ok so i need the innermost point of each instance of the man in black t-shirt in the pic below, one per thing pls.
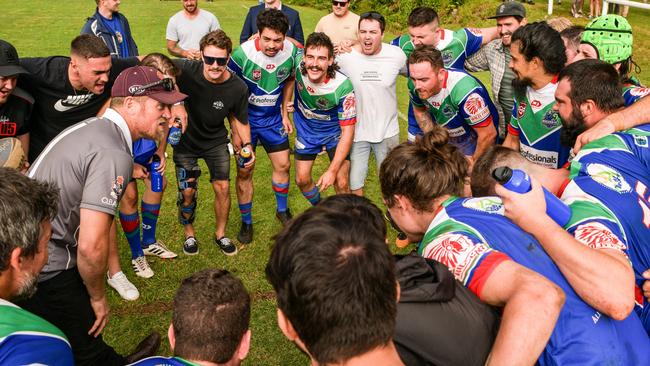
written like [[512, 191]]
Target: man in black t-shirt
[[15, 103], [69, 89], [214, 94]]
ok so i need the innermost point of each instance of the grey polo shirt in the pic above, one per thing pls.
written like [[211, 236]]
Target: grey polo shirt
[[91, 163]]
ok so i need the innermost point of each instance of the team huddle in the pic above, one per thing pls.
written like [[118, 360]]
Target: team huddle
[[527, 204]]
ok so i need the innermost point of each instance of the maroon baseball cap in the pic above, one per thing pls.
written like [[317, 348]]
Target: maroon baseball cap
[[143, 81]]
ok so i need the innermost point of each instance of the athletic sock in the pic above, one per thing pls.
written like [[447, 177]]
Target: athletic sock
[[131, 227], [313, 196], [281, 191], [246, 210], [150, 212]]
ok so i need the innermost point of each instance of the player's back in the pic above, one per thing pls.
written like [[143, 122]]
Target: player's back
[[582, 335]]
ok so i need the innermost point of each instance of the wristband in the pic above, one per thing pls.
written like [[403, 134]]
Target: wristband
[[247, 144]]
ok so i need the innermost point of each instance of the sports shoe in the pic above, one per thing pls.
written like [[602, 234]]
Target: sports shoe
[[226, 246], [141, 267], [245, 235], [284, 217], [123, 286], [146, 348], [190, 246], [159, 250]]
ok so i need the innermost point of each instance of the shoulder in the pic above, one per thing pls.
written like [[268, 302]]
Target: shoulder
[[23, 95], [289, 11], [237, 83], [393, 51]]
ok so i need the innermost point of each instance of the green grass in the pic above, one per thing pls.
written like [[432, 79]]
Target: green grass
[[43, 28]]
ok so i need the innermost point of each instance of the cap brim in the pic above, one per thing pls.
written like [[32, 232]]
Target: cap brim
[[12, 70], [168, 97]]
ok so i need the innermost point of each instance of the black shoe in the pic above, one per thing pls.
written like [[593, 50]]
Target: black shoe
[[284, 216], [226, 246], [147, 348], [245, 235]]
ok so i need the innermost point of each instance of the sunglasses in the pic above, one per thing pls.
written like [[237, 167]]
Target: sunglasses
[[340, 3], [391, 222], [372, 15], [209, 60], [166, 83]]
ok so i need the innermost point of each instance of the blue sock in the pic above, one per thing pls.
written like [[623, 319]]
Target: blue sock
[[281, 195], [246, 210], [313, 196], [150, 212], [131, 227]]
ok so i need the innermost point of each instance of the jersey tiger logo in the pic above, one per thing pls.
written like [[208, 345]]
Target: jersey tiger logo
[[476, 108], [457, 251], [598, 236], [608, 177]]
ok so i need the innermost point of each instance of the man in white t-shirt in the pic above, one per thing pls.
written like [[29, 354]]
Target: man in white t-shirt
[[373, 67], [341, 24], [186, 28]]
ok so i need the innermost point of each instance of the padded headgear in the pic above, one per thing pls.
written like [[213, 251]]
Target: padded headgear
[[611, 36]]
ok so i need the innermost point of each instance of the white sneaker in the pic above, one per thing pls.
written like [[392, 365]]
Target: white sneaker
[[123, 286], [141, 267], [160, 250]]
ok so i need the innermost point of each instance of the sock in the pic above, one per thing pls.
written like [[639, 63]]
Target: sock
[[150, 212], [246, 210], [131, 227], [313, 196], [281, 195]]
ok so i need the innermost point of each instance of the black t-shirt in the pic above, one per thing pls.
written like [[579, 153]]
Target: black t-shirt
[[208, 105], [57, 105], [14, 114]]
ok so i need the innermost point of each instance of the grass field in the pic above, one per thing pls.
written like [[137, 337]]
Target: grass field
[[46, 27]]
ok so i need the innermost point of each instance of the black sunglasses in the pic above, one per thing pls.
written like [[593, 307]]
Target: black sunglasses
[[209, 60], [391, 222], [372, 15], [340, 3], [166, 83]]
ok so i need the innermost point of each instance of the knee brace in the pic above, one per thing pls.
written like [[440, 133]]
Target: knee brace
[[182, 176]]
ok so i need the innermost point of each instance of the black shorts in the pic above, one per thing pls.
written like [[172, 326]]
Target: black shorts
[[216, 158]]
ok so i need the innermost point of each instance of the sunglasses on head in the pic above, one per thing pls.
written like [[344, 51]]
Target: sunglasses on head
[[209, 60], [166, 83], [372, 15], [340, 3]]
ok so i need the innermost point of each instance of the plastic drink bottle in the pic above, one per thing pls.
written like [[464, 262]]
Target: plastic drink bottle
[[155, 175], [518, 181]]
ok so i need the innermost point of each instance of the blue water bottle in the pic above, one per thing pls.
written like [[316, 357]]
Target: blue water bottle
[[174, 136], [155, 175], [518, 181]]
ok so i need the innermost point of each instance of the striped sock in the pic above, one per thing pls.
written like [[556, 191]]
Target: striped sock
[[246, 210], [281, 191], [313, 196], [150, 212], [131, 227]]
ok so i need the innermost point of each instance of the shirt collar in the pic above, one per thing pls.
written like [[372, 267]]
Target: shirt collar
[[116, 118], [279, 7]]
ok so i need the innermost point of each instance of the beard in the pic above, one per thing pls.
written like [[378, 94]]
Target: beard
[[519, 86], [27, 287], [572, 128]]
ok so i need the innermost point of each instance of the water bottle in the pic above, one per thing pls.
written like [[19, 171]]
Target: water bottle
[[155, 175], [244, 156], [518, 181], [175, 132]]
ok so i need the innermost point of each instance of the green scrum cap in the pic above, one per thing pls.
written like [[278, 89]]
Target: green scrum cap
[[611, 36]]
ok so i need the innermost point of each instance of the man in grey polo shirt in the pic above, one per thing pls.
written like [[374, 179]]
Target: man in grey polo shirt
[[186, 28], [495, 57], [91, 162]]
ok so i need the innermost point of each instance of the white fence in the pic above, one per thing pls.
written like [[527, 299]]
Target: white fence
[[634, 4]]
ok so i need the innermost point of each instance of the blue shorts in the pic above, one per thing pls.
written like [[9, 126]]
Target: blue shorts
[[309, 150], [143, 150], [273, 138]]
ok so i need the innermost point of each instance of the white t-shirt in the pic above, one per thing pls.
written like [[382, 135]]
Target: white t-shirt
[[188, 32], [374, 78]]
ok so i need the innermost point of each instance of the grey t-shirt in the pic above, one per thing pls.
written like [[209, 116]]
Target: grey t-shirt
[[188, 32], [91, 164]]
